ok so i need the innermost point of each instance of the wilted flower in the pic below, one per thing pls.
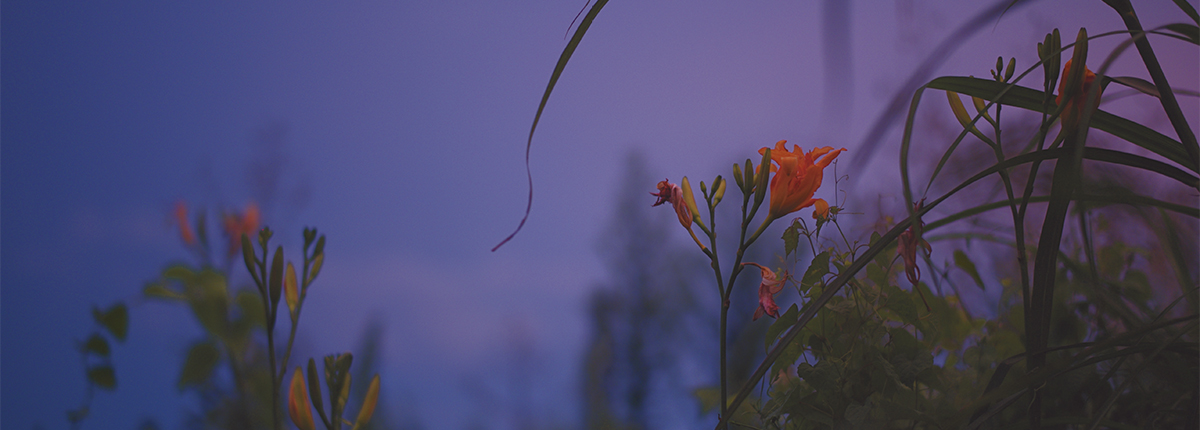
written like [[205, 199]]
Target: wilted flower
[[671, 193], [1077, 96], [238, 224], [766, 292], [682, 201], [185, 229], [797, 178], [907, 246]]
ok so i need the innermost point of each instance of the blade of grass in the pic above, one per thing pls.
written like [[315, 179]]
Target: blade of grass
[[1031, 99], [558, 69], [1167, 97]]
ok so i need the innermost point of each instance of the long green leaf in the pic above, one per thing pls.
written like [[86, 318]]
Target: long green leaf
[[558, 69], [1189, 10], [1031, 99]]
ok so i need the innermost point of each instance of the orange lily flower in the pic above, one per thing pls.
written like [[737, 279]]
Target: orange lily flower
[[766, 292], [1078, 96], [798, 177]]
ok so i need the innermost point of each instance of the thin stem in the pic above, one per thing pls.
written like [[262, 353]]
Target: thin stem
[[724, 294], [287, 352], [262, 266]]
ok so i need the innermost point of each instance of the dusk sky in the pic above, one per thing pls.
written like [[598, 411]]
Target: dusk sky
[[404, 127]]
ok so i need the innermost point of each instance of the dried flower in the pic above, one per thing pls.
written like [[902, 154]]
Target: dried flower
[[908, 243], [671, 193], [681, 199], [767, 290]]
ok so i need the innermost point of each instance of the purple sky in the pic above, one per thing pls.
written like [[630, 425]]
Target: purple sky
[[406, 125]]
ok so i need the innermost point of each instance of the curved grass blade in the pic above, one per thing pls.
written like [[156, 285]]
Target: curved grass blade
[[1190, 33], [558, 69]]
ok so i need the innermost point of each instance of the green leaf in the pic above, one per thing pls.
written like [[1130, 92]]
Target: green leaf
[[963, 262], [1189, 10], [816, 270], [77, 415], [251, 260], [1191, 32], [314, 391], [96, 344], [790, 354], [115, 319], [1142, 85], [252, 308], [1031, 99], [781, 324], [902, 305], [558, 70], [103, 376], [160, 291], [179, 273], [791, 238], [210, 301], [709, 398], [202, 358]]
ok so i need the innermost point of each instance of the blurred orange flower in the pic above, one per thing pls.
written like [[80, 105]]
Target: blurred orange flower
[[1077, 96], [238, 224], [767, 290], [185, 229], [798, 177]]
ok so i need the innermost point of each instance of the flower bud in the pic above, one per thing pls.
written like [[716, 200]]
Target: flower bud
[[737, 176], [690, 201], [718, 190]]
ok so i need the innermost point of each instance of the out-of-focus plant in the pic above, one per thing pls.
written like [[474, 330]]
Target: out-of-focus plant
[[234, 321], [95, 355]]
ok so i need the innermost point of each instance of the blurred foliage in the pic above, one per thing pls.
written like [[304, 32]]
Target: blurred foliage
[[238, 340]]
